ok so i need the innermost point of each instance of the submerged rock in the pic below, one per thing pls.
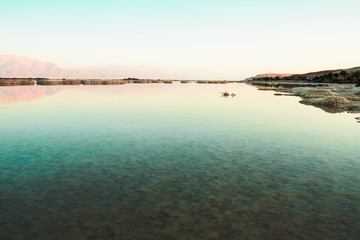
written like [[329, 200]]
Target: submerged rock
[[331, 101], [352, 107], [17, 82], [282, 94], [328, 88], [355, 99], [50, 82], [314, 93], [267, 88], [71, 82], [334, 98]]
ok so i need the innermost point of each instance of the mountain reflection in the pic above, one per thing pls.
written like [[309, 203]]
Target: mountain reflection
[[17, 94], [25, 94]]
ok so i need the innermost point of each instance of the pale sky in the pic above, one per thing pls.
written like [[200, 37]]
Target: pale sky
[[193, 39]]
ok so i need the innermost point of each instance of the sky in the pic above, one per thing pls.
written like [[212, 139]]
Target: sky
[[198, 39]]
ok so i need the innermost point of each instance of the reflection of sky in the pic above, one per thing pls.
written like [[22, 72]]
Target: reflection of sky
[[177, 105], [25, 93], [91, 157]]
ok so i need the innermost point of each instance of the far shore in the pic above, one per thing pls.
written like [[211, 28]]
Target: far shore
[[52, 82]]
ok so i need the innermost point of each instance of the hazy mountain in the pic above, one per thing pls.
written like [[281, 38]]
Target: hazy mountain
[[18, 66]]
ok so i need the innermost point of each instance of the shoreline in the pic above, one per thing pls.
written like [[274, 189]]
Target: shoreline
[[330, 97], [6, 82]]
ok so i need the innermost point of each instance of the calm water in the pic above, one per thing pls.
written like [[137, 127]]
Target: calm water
[[177, 161]]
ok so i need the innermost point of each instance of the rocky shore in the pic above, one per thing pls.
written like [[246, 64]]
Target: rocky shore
[[332, 98]]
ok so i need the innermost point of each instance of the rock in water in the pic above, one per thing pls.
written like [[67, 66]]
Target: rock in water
[[331, 101], [315, 93]]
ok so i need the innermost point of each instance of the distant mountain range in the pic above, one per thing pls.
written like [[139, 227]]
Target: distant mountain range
[[18, 66]]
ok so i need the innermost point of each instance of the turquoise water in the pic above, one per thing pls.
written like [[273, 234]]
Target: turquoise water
[[177, 161]]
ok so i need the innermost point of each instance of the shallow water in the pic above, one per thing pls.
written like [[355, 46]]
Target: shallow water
[[176, 161]]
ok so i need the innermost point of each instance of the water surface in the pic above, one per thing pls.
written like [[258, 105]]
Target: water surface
[[177, 161]]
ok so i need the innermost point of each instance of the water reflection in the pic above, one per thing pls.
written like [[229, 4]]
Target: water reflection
[[176, 162], [16, 94], [26, 93]]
